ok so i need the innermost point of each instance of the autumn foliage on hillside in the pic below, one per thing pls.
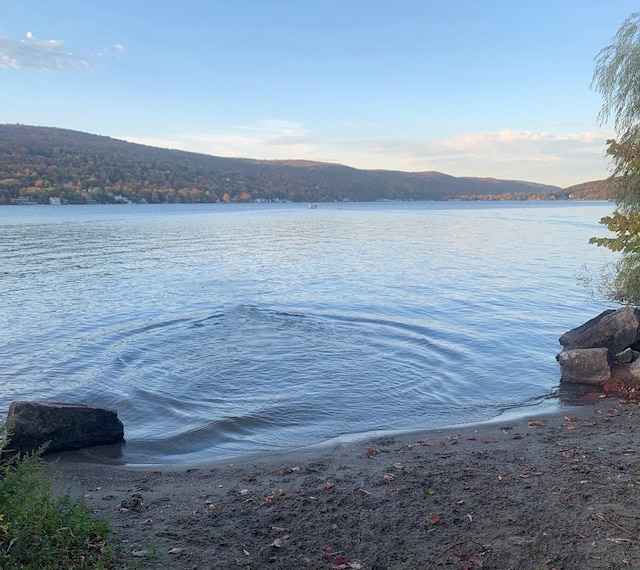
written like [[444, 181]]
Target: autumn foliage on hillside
[[37, 163]]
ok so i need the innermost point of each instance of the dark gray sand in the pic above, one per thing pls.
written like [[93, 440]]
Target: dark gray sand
[[558, 491]]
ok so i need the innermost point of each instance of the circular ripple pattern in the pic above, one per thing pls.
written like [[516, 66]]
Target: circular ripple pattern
[[222, 330]]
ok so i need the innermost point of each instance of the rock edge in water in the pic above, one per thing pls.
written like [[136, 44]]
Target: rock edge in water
[[603, 351], [60, 426]]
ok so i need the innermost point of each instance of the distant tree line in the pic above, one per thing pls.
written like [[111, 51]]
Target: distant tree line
[[37, 163]]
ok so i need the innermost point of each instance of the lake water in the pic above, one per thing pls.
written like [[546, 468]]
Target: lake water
[[220, 330]]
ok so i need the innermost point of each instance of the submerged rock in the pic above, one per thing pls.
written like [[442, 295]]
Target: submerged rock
[[62, 426], [585, 366]]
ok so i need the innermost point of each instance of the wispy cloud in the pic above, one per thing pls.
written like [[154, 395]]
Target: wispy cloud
[[44, 55], [560, 159], [267, 139]]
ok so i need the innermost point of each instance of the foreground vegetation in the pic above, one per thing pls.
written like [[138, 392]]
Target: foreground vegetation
[[38, 531]]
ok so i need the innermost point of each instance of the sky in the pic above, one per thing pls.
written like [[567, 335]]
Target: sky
[[493, 88]]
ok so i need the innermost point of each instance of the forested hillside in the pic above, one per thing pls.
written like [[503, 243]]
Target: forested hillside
[[594, 190], [37, 163]]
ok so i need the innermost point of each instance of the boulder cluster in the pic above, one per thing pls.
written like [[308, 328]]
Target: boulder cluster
[[604, 350]]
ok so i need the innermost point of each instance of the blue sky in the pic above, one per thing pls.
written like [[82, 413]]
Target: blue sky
[[496, 88]]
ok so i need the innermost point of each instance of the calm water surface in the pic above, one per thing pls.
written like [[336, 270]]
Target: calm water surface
[[219, 330]]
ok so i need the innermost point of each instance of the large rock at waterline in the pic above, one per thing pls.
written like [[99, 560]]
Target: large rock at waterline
[[62, 426], [585, 366], [614, 330]]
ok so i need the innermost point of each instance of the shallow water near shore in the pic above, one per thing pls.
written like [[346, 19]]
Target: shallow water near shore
[[221, 330]]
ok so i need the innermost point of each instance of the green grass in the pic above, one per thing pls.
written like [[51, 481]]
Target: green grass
[[39, 531]]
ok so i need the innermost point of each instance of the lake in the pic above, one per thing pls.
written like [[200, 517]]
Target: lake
[[220, 330]]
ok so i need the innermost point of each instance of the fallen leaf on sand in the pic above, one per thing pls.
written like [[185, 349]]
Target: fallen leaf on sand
[[140, 553], [372, 452], [176, 550], [535, 423], [434, 519]]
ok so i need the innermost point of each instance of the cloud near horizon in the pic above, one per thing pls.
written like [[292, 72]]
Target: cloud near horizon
[[558, 159], [43, 55]]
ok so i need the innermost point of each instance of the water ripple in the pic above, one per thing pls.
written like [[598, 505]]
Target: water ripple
[[217, 331]]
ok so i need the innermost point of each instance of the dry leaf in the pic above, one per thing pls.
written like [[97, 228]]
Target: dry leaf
[[619, 540], [434, 519], [535, 423], [176, 550], [372, 452], [140, 553]]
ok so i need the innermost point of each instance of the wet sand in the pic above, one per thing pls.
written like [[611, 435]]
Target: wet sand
[[551, 491]]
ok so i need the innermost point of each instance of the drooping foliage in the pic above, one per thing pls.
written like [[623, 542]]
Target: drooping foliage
[[617, 79]]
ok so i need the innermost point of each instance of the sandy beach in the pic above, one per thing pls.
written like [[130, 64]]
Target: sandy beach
[[552, 491]]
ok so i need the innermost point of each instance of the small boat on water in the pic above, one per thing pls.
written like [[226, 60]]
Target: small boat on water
[[313, 206]]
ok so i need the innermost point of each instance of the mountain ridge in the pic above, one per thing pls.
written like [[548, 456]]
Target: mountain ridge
[[37, 163]]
